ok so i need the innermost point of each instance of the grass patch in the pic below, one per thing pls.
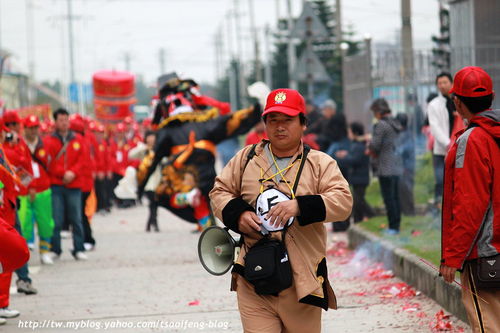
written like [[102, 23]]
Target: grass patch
[[420, 235], [423, 189]]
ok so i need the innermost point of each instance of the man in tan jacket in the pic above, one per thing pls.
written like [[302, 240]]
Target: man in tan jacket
[[321, 195]]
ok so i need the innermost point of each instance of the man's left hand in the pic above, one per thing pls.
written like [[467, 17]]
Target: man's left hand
[[448, 273], [282, 212]]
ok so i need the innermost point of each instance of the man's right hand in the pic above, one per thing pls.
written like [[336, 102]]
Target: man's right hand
[[68, 177], [249, 224]]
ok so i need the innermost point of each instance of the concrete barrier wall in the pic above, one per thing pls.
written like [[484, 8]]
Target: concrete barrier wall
[[409, 268]]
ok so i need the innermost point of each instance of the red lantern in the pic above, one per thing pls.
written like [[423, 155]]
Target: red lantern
[[114, 95]]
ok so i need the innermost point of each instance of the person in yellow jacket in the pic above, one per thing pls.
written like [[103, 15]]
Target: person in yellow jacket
[[315, 192]]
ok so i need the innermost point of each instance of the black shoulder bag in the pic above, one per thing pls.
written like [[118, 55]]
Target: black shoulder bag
[[267, 266], [486, 272]]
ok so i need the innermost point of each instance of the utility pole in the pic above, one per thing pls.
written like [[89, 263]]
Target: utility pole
[[233, 98], [278, 11], [407, 45], [30, 47], [268, 69], [126, 59], [292, 57], [239, 46], [310, 75], [257, 65], [218, 53], [161, 57], [71, 46], [338, 37]]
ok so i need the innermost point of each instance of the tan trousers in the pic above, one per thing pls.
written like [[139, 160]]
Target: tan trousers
[[483, 317], [273, 314]]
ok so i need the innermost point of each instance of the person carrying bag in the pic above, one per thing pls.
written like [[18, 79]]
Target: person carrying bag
[[278, 194]]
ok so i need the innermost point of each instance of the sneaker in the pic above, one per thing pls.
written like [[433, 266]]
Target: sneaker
[[88, 246], [80, 256], [391, 232], [31, 246], [65, 234], [46, 258], [54, 256], [25, 287], [3, 321], [8, 313]]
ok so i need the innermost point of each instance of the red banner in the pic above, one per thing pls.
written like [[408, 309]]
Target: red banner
[[42, 111]]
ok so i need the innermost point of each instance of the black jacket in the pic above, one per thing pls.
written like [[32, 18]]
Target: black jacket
[[357, 164]]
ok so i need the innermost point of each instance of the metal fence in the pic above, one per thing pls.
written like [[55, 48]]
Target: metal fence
[[387, 77]]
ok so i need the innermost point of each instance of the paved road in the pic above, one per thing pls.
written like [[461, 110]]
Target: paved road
[[138, 278]]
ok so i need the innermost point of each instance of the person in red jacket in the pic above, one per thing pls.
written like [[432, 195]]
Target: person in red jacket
[[65, 150], [37, 204], [471, 199], [8, 194], [120, 147], [87, 174], [132, 134], [20, 158], [102, 169]]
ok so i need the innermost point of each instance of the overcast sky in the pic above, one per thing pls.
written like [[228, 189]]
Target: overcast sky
[[104, 30]]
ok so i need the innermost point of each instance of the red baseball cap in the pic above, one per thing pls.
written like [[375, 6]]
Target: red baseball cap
[[11, 116], [31, 121], [472, 81], [77, 124], [287, 101]]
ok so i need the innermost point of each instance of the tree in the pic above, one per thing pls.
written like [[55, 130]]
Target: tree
[[143, 92]]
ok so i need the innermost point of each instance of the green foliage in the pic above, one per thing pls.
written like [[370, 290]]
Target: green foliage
[[143, 93], [419, 235], [424, 179], [279, 66], [423, 190], [373, 195]]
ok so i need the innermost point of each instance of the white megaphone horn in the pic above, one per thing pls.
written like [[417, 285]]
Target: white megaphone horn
[[217, 250]]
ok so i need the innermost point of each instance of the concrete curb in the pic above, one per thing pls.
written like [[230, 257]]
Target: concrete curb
[[409, 268]]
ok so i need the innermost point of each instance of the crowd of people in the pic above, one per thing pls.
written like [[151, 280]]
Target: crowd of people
[[56, 174]]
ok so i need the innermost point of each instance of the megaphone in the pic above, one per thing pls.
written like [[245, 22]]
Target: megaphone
[[217, 250]]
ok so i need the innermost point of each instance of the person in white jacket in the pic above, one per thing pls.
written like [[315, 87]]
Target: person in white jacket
[[440, 113]]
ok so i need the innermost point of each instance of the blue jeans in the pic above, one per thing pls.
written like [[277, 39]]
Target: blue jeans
[[390, 193], [438, 163], [67, 202]]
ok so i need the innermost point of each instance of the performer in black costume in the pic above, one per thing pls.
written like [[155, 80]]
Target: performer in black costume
[[188, 137]]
